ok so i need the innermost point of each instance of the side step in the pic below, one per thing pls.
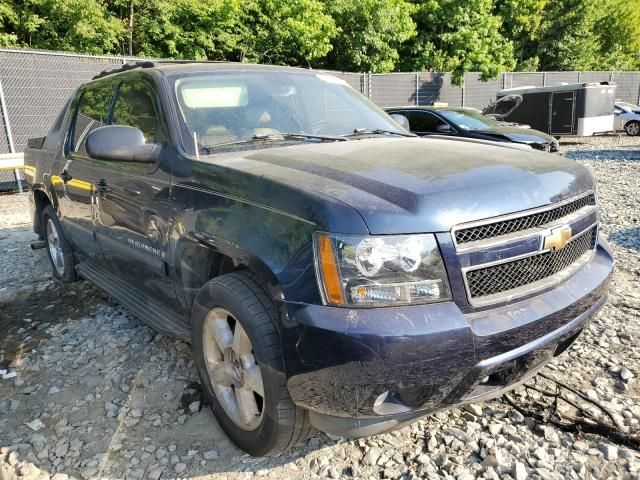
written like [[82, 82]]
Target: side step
[[150, 312]]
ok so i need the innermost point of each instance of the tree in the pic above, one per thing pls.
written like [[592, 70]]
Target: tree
[[460, 36], [292, 32], [567, 39], [78, 25], [520, 23], [184, 29], [370, 33], [618, 26]]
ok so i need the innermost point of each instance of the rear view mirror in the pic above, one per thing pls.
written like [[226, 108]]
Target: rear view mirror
[[402, 120], [444, 128], [120, 143]]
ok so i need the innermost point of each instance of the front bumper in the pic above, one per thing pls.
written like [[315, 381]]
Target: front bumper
[[366, 371]]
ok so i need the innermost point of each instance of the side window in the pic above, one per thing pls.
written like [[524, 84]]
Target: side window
[[92, 112], [135, 106], [424, 122]]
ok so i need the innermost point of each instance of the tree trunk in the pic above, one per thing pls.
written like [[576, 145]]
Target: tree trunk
[[131, 28]]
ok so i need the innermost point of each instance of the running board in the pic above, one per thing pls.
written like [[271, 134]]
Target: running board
[[156, 316]]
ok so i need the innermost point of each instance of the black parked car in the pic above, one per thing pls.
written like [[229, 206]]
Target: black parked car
[[330, 269], [468, 122]]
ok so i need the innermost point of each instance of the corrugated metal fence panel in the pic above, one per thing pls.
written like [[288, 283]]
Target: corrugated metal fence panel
[[524, 79], [595, 76], [36, 86], [628, 86], [437, 87], [393, 89], [479, 94], [554, 78]]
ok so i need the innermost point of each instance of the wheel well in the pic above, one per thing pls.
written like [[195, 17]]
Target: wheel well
[[41, 200], [198, 264]]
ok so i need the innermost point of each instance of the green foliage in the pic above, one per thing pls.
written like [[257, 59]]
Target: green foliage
[[486, 36], [460, 36], [370, 33], [79, 25], [284, 32]]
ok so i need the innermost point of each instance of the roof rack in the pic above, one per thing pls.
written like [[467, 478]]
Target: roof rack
[[125, 67], [150, 64]]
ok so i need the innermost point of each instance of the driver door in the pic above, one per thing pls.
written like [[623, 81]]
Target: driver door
[[132, 198]]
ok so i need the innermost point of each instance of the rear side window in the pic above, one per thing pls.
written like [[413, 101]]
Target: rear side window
[[92, 112], [135, 106]]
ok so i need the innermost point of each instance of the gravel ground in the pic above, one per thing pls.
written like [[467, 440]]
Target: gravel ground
[[98, 394]]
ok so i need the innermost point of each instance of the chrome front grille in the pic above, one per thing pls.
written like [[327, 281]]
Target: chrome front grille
[[525, 222], [509, 276]]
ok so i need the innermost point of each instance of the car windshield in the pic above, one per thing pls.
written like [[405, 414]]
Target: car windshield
[[226, 110], [468, 119]]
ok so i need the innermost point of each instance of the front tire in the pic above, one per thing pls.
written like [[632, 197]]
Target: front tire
[[237, 351], [59, 248], [632, 128]]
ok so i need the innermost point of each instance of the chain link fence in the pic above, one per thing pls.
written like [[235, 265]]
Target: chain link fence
[[35, 84]]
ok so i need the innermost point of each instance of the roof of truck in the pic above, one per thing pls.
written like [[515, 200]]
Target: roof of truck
[[172, 67]]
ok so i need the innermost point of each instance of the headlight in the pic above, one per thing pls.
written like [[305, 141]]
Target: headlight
[[375, 271]]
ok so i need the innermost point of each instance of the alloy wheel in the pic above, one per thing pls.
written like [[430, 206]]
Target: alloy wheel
[[633, 128], [55, 249], [233, 370]]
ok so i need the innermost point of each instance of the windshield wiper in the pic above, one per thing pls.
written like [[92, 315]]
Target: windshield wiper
[[378, 131], [274, 137]]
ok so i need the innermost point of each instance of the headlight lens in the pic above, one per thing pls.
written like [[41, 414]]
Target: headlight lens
[[381, 270]]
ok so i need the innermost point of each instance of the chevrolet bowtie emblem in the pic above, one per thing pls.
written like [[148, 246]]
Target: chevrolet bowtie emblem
[[557, 239]]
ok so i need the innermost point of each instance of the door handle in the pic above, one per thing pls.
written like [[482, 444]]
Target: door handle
[[64, 175], [102, 186]]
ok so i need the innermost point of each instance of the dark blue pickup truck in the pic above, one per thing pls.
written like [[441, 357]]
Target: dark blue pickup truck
[[330, 269]]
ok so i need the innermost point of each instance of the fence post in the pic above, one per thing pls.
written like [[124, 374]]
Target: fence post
[[417, 89], [544, 79], [7, 126], [580, 77], [369, 85], [462, 90]]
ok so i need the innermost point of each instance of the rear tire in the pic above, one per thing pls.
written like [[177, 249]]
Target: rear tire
[[632, 128], [273, 422], [59, 248]]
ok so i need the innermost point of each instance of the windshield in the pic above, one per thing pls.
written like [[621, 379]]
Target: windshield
[[468, 120], [233, 108], [628, 106]]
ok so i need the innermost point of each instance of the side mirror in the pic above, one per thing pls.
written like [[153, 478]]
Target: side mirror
[[443, 128], [120, 143], [401, 120]]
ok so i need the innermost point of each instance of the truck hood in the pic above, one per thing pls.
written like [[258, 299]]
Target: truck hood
[[411, 185]]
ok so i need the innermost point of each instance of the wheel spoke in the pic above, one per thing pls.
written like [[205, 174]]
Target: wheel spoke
[[222, 333], [253, 379], [241, 343], [227, 397], [247, 405]]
